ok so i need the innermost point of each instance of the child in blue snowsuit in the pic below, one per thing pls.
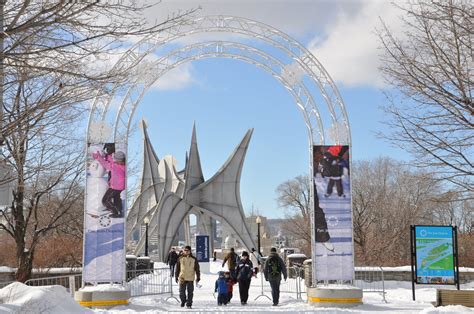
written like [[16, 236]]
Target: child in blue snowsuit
[[221, 289]]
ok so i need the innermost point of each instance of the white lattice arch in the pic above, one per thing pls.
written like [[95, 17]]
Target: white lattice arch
[[285, 58]]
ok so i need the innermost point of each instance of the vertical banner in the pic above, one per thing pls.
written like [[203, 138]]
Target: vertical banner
[[104, 222], [333, 245], [434, 251], [202, 248]]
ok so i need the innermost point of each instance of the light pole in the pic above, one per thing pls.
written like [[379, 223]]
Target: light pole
[[146, 221], [259, 221]]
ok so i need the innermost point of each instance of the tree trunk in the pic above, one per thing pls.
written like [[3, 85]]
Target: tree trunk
[[25, 265]]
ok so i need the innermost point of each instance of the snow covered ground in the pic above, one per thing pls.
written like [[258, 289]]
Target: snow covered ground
[[18, 298]]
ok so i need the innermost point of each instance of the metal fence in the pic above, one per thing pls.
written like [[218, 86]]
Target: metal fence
[[294, 285], [370, 279], [158, 281], [140, 282], [149, 281], [71, 282]]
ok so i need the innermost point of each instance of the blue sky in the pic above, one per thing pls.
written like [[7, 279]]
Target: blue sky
[[226, 97]]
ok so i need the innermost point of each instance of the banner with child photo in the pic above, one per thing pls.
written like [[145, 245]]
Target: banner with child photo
[[104, 219]]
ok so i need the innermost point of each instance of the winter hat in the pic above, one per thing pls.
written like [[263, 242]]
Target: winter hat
[[119, 156], [335, 150], [273, 250], [245, 253]]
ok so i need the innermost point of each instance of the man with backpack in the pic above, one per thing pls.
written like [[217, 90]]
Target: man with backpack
[[273, 269], [232, 259]]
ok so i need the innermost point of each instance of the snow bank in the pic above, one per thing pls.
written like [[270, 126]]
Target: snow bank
[[20, 298], [6, 269], [297, 255], [451, 309]]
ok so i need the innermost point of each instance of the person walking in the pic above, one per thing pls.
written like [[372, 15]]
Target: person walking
[[231, 258], [187, 268], [171, 260], [222, 289], [244, 276], [273, 269]]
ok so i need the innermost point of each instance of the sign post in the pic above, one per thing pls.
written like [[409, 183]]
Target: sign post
[[202, 251], [434, 256]]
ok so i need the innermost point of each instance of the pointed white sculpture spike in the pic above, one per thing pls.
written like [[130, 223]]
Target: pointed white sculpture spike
[[193, 175], [221, 193], [150, 186]]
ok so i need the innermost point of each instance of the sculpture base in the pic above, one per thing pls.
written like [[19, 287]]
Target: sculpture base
[[102, 299], [334, 297]]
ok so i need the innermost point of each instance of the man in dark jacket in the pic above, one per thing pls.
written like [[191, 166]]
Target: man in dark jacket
[[273, 269], [231, 258], [187, 268], [172, 260]]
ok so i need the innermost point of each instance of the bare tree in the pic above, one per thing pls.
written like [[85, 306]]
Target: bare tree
[[388, 197], [431, 67], [71, 40], [52, 66], [293, 195]]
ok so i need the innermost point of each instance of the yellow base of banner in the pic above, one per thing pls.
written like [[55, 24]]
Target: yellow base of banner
[[334, 300], [103, 303]]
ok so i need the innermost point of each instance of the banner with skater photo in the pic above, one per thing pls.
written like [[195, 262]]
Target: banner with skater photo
[[104, 218], [333, 245]]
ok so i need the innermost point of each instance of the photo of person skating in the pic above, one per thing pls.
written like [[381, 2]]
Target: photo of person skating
[[329, 163]]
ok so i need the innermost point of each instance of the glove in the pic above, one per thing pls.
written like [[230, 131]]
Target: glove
[[95, 155], [198, 279], [285, 278], [176, 280]]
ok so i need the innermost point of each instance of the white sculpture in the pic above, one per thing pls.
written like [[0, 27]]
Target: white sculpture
[[178, 196]]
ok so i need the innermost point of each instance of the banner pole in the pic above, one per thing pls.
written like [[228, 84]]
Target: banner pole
[[456, 255], [412, 254]]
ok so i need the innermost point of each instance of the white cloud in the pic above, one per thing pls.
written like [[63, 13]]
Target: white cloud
[[298, 18], [177, 78], [349, 47], [346, 44], [295, 17]]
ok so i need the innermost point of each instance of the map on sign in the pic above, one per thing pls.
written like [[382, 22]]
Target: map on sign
[[434, 255]]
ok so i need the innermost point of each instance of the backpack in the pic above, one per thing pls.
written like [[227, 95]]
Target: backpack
[[274, 269]]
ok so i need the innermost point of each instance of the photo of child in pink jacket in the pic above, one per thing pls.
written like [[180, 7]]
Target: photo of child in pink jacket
[[117, 168]]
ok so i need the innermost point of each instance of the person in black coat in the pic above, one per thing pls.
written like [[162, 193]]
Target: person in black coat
[[244, 276], [273, 270], [171, 260]]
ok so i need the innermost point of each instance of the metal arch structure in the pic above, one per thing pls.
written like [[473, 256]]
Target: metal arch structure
[[231, 50], [242, 26], [258, 33]]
